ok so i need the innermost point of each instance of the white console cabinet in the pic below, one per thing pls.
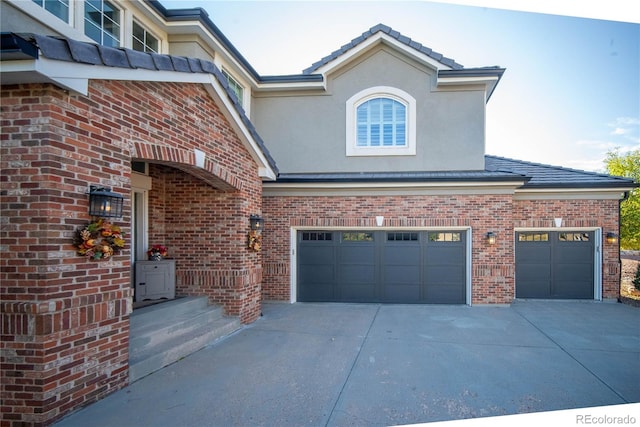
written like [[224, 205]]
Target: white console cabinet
[[155, 280]]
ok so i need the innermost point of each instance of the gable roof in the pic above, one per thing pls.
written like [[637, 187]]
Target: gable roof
[[549, 177], [449, 72], [380, 28], [32, 46]]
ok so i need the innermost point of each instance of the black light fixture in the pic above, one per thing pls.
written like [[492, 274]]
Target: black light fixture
[[611, 237], [491, 238], [104, 203], [256, 222]]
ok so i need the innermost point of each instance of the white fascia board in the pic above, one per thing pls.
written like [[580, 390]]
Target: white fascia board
[[35, 71], [571, 194], [365, 45], [450, 81], [387, 189], [290, 86], [489, 82]]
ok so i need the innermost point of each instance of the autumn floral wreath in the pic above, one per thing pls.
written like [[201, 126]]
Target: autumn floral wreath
[[99, 240]]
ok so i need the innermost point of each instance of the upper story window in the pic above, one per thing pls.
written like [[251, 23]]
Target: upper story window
[[102, 22], [381, 122], [59, 8], [234, 86], [143, 40]]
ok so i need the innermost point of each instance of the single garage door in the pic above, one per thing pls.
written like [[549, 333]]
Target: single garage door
[[382, 266], [555, 264]]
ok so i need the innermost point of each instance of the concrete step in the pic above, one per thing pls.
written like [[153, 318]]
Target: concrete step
[[165, 333], [153, 328], [157, 312]]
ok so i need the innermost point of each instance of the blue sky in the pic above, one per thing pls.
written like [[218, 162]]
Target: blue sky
[[571, 90]]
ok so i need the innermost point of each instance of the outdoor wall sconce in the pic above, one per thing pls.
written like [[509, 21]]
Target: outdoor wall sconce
[[104, 203], [491, 238], [254, 239], [611, 237], [256, 222]]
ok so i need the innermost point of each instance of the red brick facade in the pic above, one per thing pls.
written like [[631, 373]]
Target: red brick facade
[[65, 319], [492, 267]]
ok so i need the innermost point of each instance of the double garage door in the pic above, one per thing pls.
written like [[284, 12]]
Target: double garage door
[[555, 264], [382, 266]]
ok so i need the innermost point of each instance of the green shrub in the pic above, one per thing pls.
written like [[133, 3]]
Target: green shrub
[[636, 280]]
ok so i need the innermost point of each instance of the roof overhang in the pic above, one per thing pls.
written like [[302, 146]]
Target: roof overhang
[[571, 193], [390, 188], [487, 77], [75, 77]]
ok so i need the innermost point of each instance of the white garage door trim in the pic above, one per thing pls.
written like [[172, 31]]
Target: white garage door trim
[[597, 255], [293, 244]]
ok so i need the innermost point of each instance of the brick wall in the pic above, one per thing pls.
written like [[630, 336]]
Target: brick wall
[[492, 273], [65, 319]]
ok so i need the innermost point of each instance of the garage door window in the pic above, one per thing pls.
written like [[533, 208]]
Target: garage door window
[[357, 237], [573, 237], [444, 237], [533, 237], [316, 235], [407, 237]]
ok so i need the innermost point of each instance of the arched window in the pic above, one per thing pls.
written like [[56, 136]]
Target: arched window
[[381, 122]]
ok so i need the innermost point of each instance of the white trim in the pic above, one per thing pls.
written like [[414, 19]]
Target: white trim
[[293, 267], [469, 270], [274, 189], [365, 95], [597, 255], [571, 194]]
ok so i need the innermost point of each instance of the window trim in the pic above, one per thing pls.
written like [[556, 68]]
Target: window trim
[[121, 22], [234, 84], [147, 33], [43, 4], [352, 149]]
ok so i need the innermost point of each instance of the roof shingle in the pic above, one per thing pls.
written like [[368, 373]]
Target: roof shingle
[[548, 176], [391, 33]]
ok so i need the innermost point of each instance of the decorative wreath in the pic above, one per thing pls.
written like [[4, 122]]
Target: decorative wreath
[[255, 240], [99, 240]]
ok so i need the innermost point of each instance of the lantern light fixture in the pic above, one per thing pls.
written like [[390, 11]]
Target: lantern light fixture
[[491, 238], [256, 222], [104, 203], [611, 237]]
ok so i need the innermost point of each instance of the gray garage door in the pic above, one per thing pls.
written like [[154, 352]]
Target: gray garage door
[[382, 266], [555, 264]]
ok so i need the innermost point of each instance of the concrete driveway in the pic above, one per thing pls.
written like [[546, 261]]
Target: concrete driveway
[[375, 365]]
